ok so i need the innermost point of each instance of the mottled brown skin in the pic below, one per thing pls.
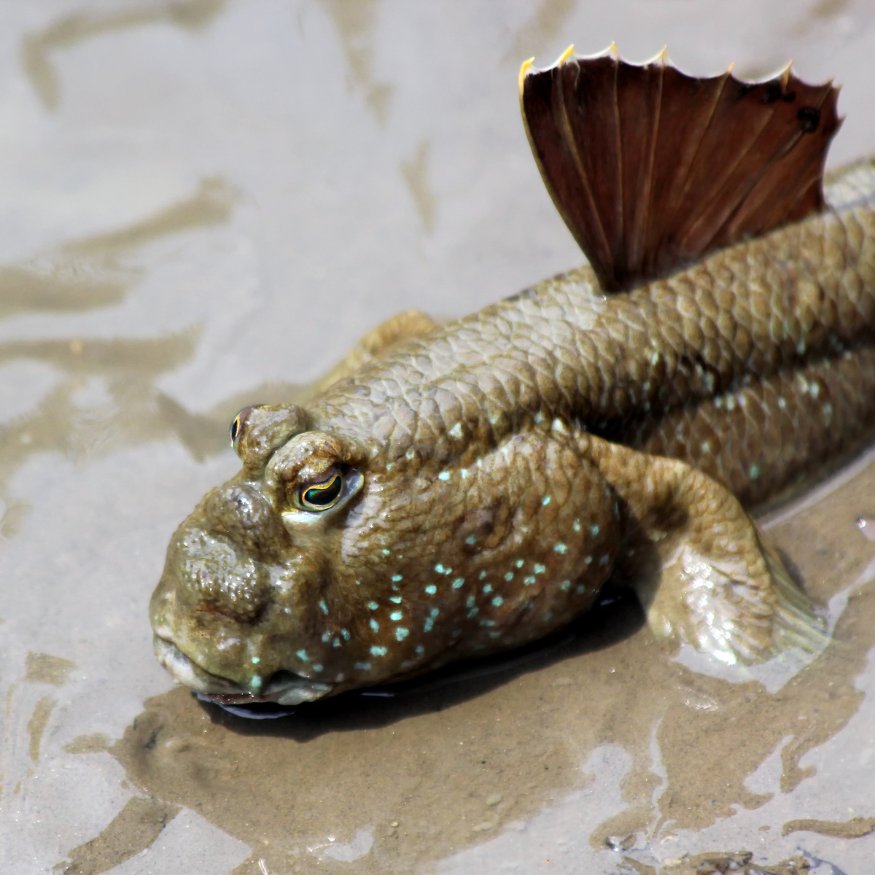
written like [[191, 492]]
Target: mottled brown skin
[[504, 466]]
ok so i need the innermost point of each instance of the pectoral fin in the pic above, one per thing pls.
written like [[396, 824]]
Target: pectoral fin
[[651, 168], [701, 567]]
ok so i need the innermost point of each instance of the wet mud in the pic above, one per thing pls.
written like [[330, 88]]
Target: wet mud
[[192, 223]]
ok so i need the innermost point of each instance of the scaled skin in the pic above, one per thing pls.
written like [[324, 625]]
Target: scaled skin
[[499, 469]]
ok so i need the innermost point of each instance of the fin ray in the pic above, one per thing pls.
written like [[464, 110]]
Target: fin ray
[[651, 168]]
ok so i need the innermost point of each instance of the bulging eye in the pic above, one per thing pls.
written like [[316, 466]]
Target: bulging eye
[[236, 428], [320, 496]]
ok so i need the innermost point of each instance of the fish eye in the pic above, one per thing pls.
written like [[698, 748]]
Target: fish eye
[[235, 431], [320, 496]]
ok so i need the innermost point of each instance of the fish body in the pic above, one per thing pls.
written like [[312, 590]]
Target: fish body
[[471, 487]]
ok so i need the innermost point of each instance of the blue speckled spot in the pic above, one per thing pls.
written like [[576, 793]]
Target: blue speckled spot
[[397, 578], [470, 540], [386, 551], [396, 599], [428, 624], [401, 633], [470, 601], [345, 634], [317, 666], [395, 616], [339, 677], [546, 500], [565, 585], [520, 562], [754, 472], [538, 568], [481, 575], [303, 655], [595, 529], [498, 601], [472, 612], [419, 649], [373, 606], [375, 626], [576, 526], [326, 637], [362, 666], [458, 583], [323, 606], [255, 682], [434, 612], [444, 475], [561, 548], [255, 660], [487, 588], [588, 560], [580, 589], [509, 576], [529, 579], [430, 589], [603, 560], [378, 650]]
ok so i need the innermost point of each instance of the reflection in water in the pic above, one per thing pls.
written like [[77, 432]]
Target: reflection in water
[[415, 173], [356, 26], [102, 393], [73, 29]]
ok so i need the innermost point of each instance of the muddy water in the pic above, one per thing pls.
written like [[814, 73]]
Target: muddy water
[[205, 203]]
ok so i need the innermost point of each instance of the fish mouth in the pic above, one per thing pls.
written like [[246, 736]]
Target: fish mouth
[[283, 688]]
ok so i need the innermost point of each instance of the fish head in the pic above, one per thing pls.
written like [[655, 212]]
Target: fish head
[[327, 565]]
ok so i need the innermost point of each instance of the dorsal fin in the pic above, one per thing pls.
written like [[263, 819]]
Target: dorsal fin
[[651, 168]]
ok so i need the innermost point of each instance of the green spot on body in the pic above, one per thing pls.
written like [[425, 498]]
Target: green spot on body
[[470, 540], [520, 562], [565, 585], [375, 626], [395, 616], [255, 682], [529, 581], [509, 576], [386, 551], [430, 589], [396, 599], [397, 578], [323, 606], [428, 625], [255, 660], [481, 575], [377, 650], [373, 606], [538, 568], [498, 601], [487, 588], [458, 583], [754, 471], [546, 500], [401, 633], [561, 548], [303, 655], [444, 475]]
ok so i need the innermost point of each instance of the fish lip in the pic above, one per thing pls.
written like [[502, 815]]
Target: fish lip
[[287, 688]]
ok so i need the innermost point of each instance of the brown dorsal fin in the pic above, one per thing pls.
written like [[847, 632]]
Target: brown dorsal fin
[[651, 168]]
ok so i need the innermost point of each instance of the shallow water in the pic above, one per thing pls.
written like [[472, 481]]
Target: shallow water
[[206, 202]]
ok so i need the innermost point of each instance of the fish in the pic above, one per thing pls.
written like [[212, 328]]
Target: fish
[[457, 490]]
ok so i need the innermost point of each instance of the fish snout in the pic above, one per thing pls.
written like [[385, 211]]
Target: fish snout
[[240, 512]]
